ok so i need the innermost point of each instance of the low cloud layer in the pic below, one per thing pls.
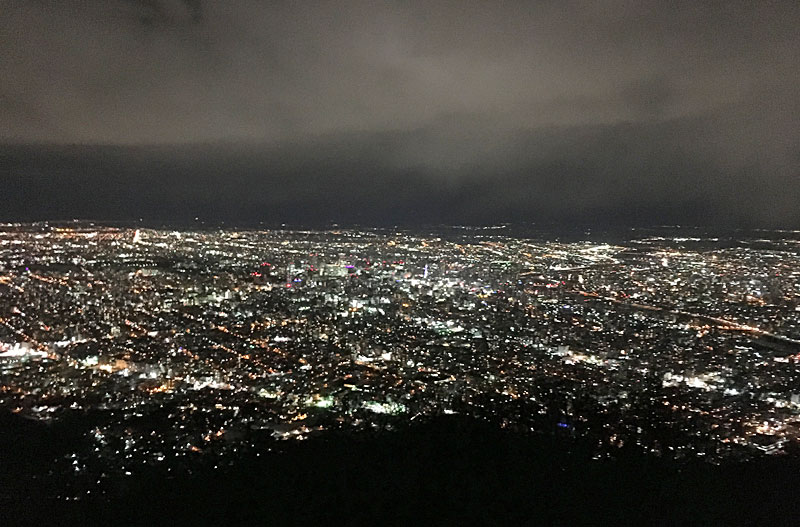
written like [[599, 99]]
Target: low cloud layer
[[626, 112]]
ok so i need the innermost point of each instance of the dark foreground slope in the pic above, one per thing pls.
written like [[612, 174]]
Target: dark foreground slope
[[447, 471]]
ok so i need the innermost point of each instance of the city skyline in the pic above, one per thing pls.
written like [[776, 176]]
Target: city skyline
[[170, 343], [399, 262]]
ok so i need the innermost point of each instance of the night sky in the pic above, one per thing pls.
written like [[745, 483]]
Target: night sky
[[578, 113]]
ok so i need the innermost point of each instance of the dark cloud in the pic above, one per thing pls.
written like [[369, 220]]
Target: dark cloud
[[615, 111], [155, 12]]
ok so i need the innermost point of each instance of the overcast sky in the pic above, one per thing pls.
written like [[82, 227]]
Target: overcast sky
[[383, 112]]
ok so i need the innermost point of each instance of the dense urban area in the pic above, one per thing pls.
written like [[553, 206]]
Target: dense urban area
[[173, 348]]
